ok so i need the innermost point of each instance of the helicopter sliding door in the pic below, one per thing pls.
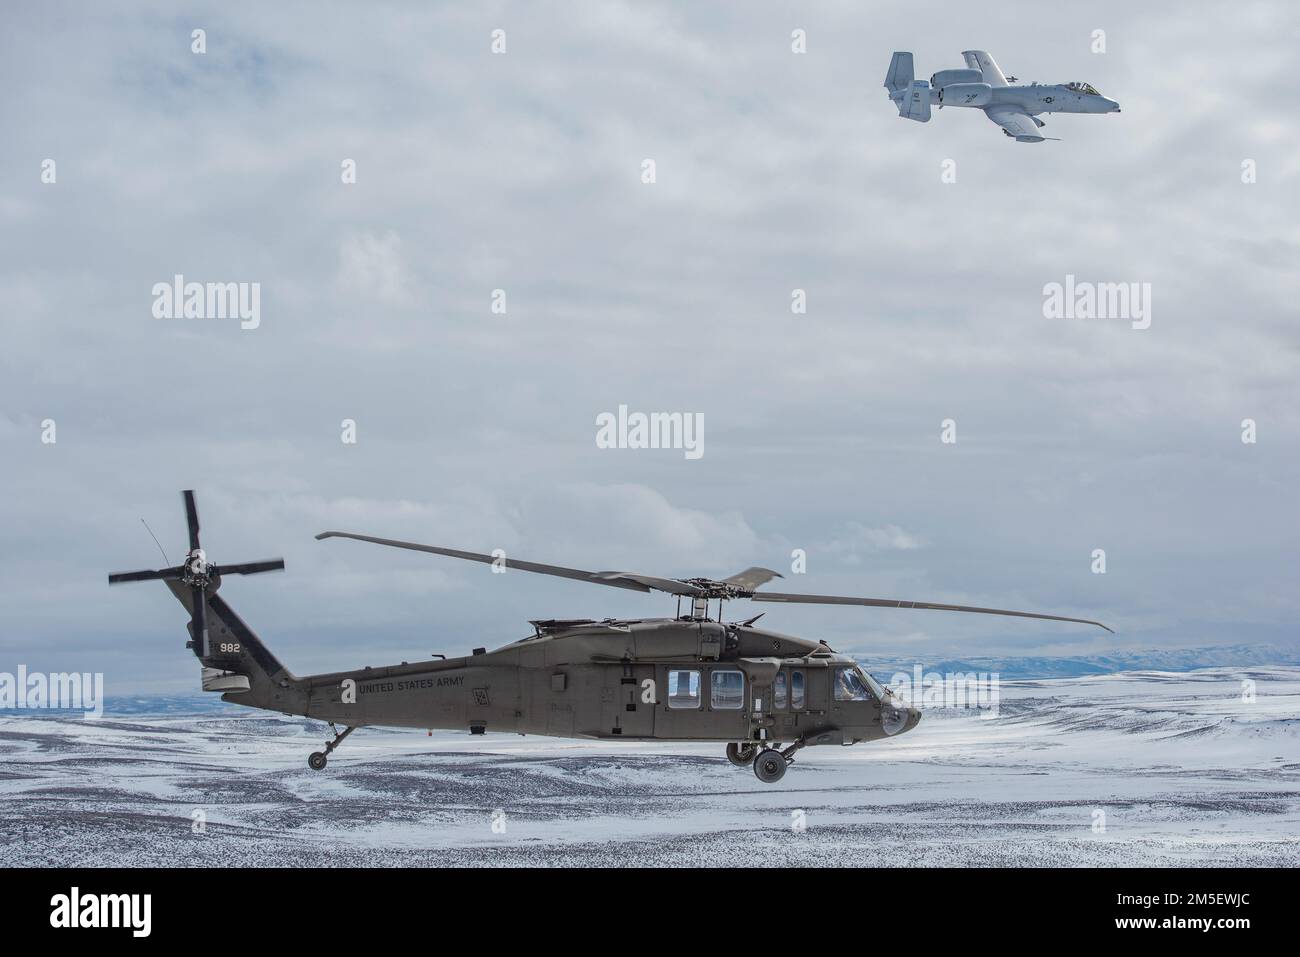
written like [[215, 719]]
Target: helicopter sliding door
[[701, 701], [800, 697]]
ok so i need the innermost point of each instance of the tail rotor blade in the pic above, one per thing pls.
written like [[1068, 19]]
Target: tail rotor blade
[[118, 578], [200, 621], [191, 518], [252, 568]]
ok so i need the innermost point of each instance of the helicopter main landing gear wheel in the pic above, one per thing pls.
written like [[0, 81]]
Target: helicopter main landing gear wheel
[[770, 765], [741, 755], [318, 759]]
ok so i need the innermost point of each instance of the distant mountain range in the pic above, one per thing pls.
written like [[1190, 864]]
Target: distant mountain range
[[1156, 659]]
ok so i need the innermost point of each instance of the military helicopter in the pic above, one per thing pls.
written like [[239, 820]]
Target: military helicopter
[[692, 677]]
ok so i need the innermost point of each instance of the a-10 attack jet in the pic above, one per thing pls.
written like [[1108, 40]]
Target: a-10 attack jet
[[982, 86]]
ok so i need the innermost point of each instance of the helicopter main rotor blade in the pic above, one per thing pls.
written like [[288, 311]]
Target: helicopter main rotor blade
[[895, 603], [191, 518], [635, 582], [752, 578], [251, 568]]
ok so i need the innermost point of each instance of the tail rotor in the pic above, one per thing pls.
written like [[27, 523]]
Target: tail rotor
[[201, 575]]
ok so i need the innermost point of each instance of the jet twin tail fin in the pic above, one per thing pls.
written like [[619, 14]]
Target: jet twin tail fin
[[910, 95]]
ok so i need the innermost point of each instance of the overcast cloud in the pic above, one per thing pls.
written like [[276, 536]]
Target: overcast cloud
[[522, 172]]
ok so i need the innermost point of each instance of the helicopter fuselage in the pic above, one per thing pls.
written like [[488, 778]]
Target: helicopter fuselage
[[674, 679]]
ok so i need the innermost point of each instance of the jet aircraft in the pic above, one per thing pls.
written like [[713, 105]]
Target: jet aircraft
[[981, 85]]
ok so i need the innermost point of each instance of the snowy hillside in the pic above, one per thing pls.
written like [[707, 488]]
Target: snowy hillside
[[1180, 769]]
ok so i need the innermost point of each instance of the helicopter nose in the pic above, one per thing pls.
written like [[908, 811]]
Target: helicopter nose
[[896, 717]]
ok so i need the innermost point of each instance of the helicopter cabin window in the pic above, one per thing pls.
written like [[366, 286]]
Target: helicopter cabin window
[[780, 692], [849, 685], [796, 691], [727, 690], [683, 689]]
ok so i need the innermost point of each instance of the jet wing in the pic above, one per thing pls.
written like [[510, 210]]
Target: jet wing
[[979, 60], [1015, 123]]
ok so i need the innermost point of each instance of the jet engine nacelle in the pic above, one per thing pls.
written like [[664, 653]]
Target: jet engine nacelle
[[966, 94], [945, 77]]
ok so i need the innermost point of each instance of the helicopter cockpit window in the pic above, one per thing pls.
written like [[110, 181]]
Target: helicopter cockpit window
[[796, 691], [849, 685], [780, 691], [871, 683], [727, 690], [683, 689]]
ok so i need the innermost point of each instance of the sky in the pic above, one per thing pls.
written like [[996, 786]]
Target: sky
[[523, 171]]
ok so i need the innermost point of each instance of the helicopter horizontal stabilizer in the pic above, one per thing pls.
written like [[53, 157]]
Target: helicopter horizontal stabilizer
[[226, 682]]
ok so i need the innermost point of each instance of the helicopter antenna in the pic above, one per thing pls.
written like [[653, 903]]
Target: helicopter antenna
[[166, 560]]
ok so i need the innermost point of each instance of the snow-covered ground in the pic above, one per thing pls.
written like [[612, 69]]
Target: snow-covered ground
[[1178, 767]]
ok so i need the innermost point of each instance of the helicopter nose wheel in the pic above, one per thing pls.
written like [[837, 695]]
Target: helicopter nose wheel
[[770, 765], [741, 755], [318, 759]]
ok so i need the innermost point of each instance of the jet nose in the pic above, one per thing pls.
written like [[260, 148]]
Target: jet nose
[[1114, 107]]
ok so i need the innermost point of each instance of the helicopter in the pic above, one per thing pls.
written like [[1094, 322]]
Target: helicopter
[[692, 677]]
